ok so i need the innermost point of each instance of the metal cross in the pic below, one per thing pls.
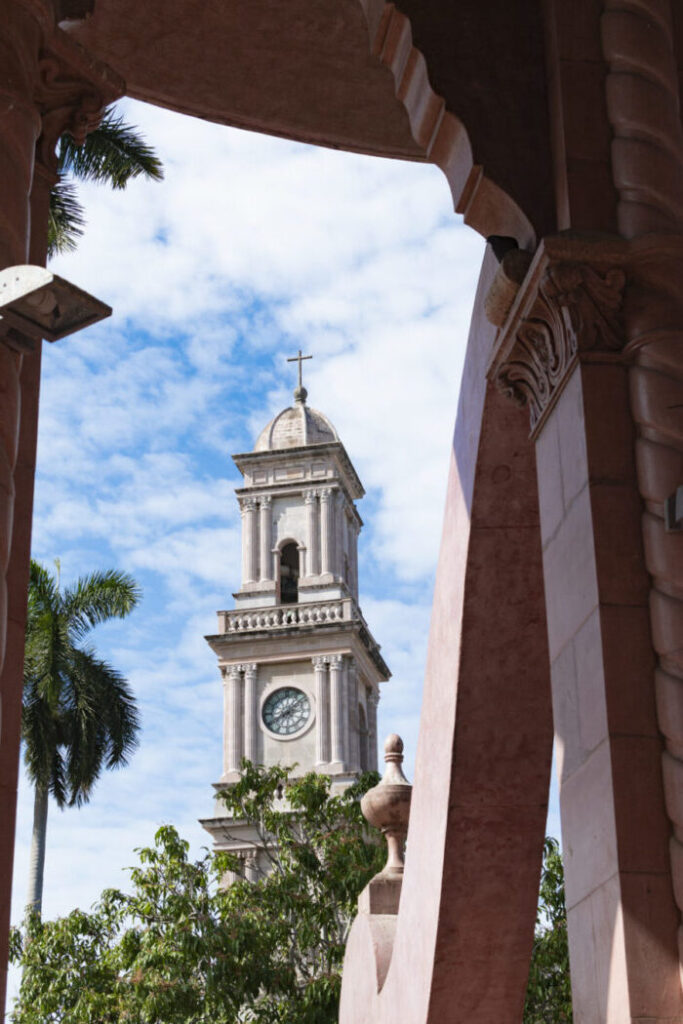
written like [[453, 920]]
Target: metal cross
[[298, 359]]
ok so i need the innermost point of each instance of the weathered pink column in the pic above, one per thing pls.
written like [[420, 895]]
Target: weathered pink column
[[587, 310], [48, 86], [461, 943]]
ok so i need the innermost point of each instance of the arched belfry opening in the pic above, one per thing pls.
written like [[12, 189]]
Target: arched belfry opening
[[289, 573]]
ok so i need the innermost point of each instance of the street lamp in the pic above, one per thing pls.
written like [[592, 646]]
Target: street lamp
[[35, 303]]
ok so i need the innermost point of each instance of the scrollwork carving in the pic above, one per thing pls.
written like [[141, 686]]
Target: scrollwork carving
[[576, 309]]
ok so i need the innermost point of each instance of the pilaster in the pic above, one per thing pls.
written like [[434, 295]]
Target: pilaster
[[373, 701], [326, 530], [249, 513], [232, 720], [337, 711], [322, 699], [312, 533], [250, 712], [596, 327], [266, 538]]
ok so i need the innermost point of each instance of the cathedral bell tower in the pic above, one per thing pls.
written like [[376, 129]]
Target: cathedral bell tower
[[300, 668]]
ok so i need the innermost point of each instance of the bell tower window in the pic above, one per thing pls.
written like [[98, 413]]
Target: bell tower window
[[289, 573]]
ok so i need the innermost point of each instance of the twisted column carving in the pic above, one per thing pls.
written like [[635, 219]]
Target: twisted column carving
[[644, 110], [656, 384], [625, 305]]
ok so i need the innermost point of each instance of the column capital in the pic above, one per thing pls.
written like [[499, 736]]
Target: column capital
[[320, 662], [373, 698], [266, 500], [72, 90], [326, 493], [250, 669], [336, 660], [310, 496], [247, 505], [569, 306]]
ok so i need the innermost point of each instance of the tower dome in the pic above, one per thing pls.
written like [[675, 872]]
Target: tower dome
[[296, 426]]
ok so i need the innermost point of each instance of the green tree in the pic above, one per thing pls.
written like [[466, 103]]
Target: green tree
[[114, 153], [549, 994], [182, 948], [78, 713]]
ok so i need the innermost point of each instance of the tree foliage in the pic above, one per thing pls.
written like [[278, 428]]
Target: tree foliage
[[113, 153], [181, 948], [549, 996]]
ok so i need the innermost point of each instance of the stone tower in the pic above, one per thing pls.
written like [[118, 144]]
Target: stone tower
[[300, 668]]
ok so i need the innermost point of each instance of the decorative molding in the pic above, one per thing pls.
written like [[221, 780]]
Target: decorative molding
[[643, 105], [568, 306], [439, 132], [71, 92]]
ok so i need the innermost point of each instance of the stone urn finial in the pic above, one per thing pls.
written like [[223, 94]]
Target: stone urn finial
[[387, 806]]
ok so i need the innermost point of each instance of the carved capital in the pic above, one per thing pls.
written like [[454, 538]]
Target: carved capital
[[568, 306], [336, 661], [266, 500], [248, 505], [320, 663], [310, 497], [326, 493], [71, 92]]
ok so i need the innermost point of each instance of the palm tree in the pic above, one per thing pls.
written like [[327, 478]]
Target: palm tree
[[113, 153], [79, 714]]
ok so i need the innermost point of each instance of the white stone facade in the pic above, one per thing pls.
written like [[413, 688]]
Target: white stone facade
[[300, 668]]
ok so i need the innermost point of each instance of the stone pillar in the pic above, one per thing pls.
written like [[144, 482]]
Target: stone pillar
[[48, 86], [337, 709], [251, 872], [250, 712], [266, 538], [353, 556], [322, 700], [326, 534], [354, 724], [248, 510], [232, 722], [567, 357], [373, 701], [339, 517], [346, 709], [312, 545]]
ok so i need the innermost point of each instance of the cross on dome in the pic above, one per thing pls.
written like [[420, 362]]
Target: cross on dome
[[300, 393]]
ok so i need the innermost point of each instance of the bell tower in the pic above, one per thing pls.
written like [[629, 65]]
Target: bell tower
[[300, 668]]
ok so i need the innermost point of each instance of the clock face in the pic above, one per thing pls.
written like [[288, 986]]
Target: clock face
[[286, 711]]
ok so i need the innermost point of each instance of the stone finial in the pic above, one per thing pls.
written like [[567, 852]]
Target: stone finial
[[387, 806]]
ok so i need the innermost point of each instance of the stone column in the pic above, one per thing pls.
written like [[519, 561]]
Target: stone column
[[312, 552], [373, 701], [266, 538], [251, 866], [250, 712], [567, 357], [326, 535], [322, 700], [47, 86], [354, 724], [232, 724], [353, 556], [248, 510], [339, 517], [337, 709], [346, 709]]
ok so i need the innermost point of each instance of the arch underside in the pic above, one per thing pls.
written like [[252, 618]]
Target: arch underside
[[348, 75]]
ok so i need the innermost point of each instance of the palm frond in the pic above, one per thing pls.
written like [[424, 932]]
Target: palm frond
[[97, 598], [66, 219], [113, 153], [102, 721]]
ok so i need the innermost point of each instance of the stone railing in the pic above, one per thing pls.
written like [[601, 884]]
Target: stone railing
[[284, 616]]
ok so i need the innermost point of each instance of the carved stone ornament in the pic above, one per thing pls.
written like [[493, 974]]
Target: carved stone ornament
[[71, 92], [565, 308]]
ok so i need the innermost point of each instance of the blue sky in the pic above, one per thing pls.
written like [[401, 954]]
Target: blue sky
[[251, 248]]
